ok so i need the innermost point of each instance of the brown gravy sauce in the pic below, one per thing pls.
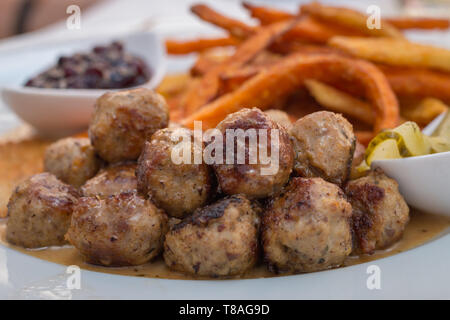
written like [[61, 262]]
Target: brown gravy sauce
[[421, 229]]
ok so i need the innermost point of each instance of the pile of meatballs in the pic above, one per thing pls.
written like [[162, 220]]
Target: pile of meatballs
[[120, 200]]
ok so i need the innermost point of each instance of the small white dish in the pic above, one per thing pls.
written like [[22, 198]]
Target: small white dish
[[424, 181], [60, 112]]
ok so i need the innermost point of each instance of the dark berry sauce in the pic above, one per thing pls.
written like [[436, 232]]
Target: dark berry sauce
[[105, 67]]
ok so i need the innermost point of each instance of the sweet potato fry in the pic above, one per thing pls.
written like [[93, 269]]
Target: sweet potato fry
[[339, 101], [307, 28], [364, 137], [419, 23], [234, 27], [418, 82], [395, 52], [267, 15], [349, 18], [198, 45], [288, 47], [422, 111], [233, 79], [318, 31], [285, 77], [173, 84], [208, 59], [202, 65], [208, 87], [313, 30]]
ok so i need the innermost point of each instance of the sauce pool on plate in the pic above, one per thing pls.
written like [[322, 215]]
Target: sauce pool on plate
[[421, 229]]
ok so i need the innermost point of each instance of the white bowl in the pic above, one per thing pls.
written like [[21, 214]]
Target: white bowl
[[424, 181], [60, 112]]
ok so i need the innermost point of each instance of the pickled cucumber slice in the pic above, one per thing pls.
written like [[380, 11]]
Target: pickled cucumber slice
[[387, 149], [410, 140], [439, 144], [443, 130]]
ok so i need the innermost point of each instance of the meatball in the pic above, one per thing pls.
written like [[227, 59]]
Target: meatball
[[111, 180], [218, 240], [39, 212], [324, 143], [72, 160], [280, 117], [124, 120], [380, 214], [307, 228], [257, 179], [178, 188], [120, 230]]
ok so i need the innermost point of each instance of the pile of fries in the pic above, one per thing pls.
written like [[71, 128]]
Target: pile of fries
[[321, 57]]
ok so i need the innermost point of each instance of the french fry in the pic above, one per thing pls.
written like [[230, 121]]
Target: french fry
[[202, 65], [310, 29], [364, 137], [207, 88], [173, 84], [418, 82], [419, 23], [394, 52], [288, 47], [307, 28], [339, 101], [198, 45], [208, 59], [270, 15], [349, 18], [232, 79], [247, 78], [234, 27], [285, 77], [423, 111], [267, 15]]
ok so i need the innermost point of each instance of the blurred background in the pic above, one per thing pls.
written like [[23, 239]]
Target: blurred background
[[22, 16], [26, 22]]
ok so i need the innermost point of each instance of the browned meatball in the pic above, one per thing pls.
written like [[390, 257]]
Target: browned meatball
[[178, 188], [307, 228], [39, 212], [72, 160], [124, 120], [247, 178], [280, 117], [217, 240], [324, 143], [380, 214], [112, 180], [120, 230]]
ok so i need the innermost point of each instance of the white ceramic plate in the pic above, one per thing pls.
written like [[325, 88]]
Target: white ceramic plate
[[61, 112], [414, 274], [421, 273]]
